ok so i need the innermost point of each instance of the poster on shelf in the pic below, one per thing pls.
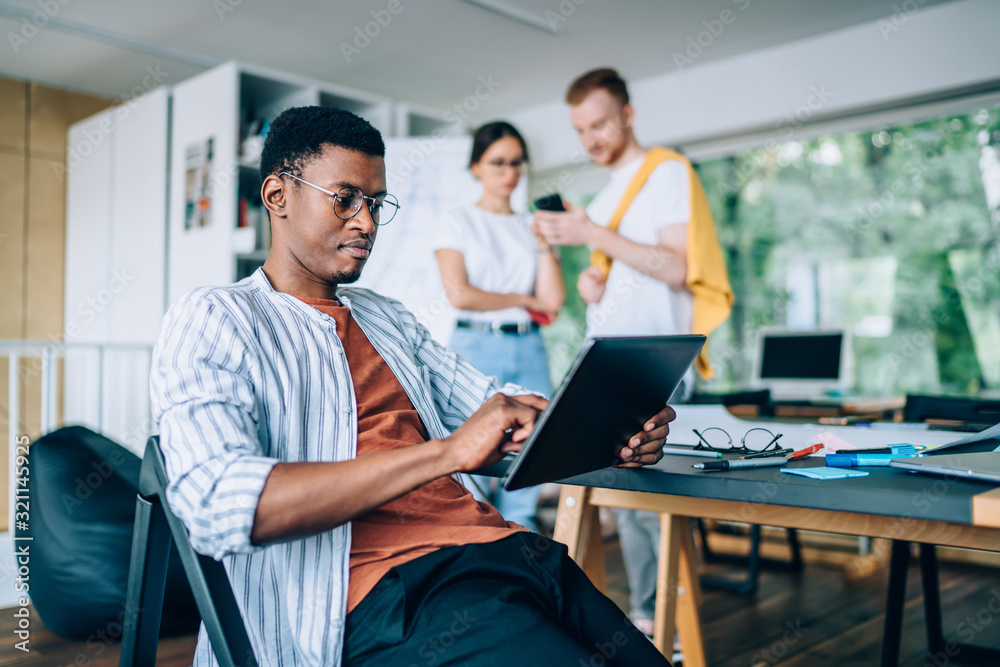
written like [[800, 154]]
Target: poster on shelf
[[197, 183]]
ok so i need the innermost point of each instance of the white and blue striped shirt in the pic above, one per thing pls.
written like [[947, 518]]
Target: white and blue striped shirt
[[243, 377]]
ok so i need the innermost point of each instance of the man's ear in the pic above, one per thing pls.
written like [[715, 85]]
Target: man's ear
[[273, 194], [628, 115]]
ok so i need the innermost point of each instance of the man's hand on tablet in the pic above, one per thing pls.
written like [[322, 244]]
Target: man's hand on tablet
[[646, 448], [499, 426]]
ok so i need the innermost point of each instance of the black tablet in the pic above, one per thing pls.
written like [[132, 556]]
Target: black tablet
[[615, 385]]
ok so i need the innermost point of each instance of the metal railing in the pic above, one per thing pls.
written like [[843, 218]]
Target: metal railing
[[46, 355]]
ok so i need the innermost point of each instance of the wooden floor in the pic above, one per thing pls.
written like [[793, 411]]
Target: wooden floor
[[812, 619]]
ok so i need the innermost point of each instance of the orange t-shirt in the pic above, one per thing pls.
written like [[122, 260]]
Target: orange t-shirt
[[438, 514]]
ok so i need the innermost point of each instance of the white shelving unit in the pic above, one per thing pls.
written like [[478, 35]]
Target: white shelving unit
[[413, 120], [219, 106]]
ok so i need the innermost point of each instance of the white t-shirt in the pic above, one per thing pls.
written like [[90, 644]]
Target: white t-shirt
[[500, 255], [633, 303]]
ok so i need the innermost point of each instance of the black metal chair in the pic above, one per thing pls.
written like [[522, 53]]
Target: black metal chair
[[758, 398], [753, 561], [896, 600], [977, 413], [155, 528]]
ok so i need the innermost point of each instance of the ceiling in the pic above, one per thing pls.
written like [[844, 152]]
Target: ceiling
[[429, 52]]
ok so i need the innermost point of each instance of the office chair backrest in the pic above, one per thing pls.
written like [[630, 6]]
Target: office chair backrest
[[970, 410], [155, 524], [760, 399]]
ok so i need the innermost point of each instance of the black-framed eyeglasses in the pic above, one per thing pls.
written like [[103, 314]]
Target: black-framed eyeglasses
[[500, 164], [712, 439], [347, 202]]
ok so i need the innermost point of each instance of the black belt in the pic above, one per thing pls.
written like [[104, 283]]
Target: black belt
[[512, 328]]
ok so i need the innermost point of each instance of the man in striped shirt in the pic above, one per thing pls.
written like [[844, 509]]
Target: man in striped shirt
[[311, 432]]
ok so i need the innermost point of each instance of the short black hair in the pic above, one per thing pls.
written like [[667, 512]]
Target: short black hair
[[298, 135], [489, 134]]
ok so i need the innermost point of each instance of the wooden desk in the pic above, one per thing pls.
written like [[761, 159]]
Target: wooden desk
[[889, 503]]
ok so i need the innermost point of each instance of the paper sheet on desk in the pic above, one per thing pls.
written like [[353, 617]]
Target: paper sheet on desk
[[796, 435], [831, 444]]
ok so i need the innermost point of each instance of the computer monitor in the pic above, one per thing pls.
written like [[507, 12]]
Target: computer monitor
[[802, 364]]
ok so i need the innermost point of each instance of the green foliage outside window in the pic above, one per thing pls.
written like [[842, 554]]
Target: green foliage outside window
[[887, 233]]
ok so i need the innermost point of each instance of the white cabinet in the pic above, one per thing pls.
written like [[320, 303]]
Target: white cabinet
[[139, 214], [116, 215], [116, 211], [88, 227]]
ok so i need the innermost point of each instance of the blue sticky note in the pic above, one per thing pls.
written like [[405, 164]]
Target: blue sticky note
[[825, 472]]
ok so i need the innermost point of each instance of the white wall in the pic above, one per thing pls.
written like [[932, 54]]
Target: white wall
[[930, 50]]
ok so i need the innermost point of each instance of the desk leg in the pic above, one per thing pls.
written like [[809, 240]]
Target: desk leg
[[578, 526], [895, 603], [678, 593]]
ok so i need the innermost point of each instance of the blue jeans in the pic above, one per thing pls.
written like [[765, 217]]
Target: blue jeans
[[639, 537], [520, 360]]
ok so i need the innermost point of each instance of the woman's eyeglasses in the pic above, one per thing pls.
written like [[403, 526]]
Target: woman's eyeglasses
[[499, 165], [347, 202], [718, 440]]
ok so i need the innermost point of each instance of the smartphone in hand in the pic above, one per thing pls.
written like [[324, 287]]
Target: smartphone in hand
[[551, 202]]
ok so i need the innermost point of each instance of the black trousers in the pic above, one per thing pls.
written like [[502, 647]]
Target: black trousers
[[520, 601]]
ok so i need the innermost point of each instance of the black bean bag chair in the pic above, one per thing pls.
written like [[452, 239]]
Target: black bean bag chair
[[81, 490]]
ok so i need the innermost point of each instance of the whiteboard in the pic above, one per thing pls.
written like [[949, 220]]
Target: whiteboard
[[430, 176]]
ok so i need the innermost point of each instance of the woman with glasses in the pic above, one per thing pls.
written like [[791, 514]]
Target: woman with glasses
[[503, 279]]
